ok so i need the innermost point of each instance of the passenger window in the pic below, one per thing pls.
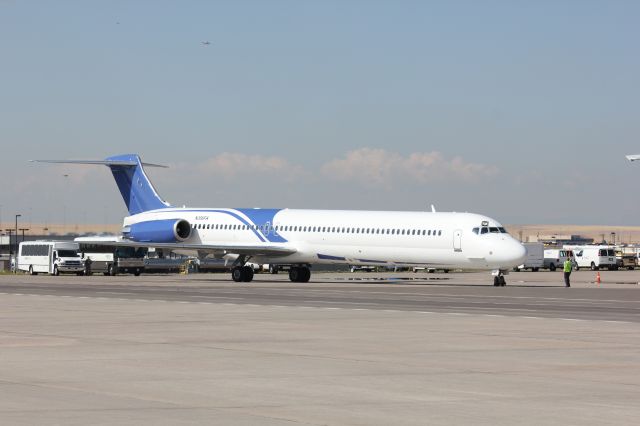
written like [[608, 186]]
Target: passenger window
[[439, 233]]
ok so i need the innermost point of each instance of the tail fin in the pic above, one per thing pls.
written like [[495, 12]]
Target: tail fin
[[137, 191]]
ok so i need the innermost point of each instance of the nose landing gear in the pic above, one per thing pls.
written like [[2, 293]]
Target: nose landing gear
[[498, 279]]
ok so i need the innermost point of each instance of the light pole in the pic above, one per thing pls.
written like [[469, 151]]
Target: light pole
[[16, 252], [23, 229], [10, 231]]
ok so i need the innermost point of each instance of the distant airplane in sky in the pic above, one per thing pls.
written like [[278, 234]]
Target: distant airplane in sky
[[633, 157], [206, 43], [299, 238]]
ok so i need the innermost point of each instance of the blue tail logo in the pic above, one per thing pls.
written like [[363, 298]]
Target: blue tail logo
[[137, 191]]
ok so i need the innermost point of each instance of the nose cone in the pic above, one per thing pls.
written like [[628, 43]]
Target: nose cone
[[508, 254], [516, 254]]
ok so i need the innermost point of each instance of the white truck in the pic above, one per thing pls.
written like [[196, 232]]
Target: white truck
[[534, 257], [555, 258], [595, 257], [51, 257]]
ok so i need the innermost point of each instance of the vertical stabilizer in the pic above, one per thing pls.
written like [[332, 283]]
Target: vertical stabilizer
[[137, 191]]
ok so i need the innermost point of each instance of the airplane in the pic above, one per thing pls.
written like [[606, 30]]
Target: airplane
[[301, 238], [633, 157], [206, 43]]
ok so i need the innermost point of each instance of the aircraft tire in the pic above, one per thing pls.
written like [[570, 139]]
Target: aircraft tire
[[247, 274], [294, 274], [306, 274], [236, 274]]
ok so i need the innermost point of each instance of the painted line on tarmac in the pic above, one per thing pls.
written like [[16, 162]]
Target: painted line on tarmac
[[321, 308]]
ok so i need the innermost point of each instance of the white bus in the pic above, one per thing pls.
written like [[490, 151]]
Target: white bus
[[109, 259], [51, 257]]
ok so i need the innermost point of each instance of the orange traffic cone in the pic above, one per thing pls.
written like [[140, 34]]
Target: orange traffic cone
[[598, 278]]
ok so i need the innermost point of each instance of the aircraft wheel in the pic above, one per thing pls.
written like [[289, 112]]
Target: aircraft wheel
[[294, 274], [306, 275], [247, 274], [237, 275]]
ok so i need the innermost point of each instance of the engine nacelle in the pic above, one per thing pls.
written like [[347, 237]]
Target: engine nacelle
[[159, 231]]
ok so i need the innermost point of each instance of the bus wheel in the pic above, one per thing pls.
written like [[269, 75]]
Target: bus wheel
[[593, 266], [31, 270], [112, 270], [55, 270], [552, 267], [80, 273], [136, 272]]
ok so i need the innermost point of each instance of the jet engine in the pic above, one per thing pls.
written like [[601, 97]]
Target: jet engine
[[159, 231]]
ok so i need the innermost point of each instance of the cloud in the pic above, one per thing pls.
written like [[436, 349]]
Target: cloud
[[229, 165], [379, 167]]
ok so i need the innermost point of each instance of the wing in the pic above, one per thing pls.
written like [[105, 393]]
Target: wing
[[251, 250]]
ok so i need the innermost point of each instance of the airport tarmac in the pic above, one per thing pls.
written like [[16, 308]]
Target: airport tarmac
[[356, 349]]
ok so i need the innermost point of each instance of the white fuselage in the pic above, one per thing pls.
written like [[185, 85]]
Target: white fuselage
[[438, 240]]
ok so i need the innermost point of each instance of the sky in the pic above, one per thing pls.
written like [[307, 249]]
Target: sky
[[520, 110]]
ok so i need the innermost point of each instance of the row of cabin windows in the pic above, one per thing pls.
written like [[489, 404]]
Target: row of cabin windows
[[336, 229]]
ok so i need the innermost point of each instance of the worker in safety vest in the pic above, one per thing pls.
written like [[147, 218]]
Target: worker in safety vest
[[568, 267]]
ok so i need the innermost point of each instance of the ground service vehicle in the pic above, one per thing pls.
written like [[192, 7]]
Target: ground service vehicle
[[534, 257], [595, 257], [626, 257], [111, 260], [51, 257], [555, 258]]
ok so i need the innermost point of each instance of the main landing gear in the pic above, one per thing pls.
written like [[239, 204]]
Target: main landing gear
[[299, 274], [498, 279], [241, 273]]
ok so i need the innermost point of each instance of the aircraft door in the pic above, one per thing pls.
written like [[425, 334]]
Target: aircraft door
[[457, 240]]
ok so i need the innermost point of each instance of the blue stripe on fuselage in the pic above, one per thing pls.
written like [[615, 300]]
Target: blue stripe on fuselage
[[257, 217]]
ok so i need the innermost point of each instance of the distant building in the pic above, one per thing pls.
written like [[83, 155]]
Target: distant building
[[559, 240]]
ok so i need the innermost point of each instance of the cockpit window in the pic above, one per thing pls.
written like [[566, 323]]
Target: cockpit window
[[494, 230], [484, 230], [502, 230], [476, 230]]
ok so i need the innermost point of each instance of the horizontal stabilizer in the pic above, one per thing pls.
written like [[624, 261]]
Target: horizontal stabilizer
[[100, 162]]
